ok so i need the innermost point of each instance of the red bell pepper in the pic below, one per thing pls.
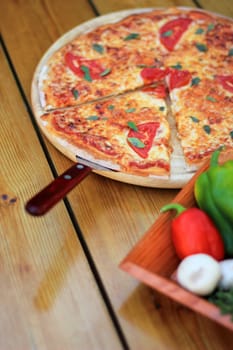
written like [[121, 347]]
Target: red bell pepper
[[194, 232]]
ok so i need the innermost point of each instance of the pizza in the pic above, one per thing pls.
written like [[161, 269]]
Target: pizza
[[131, 130], [132, 90]]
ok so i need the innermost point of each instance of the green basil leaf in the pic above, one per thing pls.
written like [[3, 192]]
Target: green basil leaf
[[167, 33], [194, 119], [195, 81], [105, 72], [199, 31], [210, 27], [207, 129], [111, 107], [75, 93], [231, 134], [146, 66], [132, 126], [132, 36], [130, 110], [86, 71], [98, 48], [177, 66], [161, 108], [210, 98], [93, 117], [142, 66], [201, 47], [223, 300], [136, 142], [230, 53]]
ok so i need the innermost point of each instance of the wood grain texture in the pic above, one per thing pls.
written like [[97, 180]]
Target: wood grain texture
[[38, 25], [49, 298], [112, 216], [223, 7], [104, 6]]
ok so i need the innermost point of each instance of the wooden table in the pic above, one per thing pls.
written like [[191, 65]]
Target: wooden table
[[60, 284]]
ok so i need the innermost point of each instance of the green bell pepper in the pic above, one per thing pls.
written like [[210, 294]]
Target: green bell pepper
[[213, 191]]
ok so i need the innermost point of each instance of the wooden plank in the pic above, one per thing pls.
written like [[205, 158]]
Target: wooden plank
[[38, 25], [109, 6], [49, 298], [223, 7]]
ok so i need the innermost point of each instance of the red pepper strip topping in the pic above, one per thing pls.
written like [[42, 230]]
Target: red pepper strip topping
[[171, 32], [141, 140], [226, 81], [178, 78], [153, 74], [89, 69], [158, 91], [194, 232]]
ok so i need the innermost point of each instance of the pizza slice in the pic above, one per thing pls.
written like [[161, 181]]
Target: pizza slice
[[130, 131], [202, 108]]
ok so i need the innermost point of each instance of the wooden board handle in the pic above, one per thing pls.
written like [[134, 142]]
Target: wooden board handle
[[57, 189]]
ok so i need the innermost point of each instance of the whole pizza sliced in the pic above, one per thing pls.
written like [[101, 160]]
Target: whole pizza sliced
[[190, 52]]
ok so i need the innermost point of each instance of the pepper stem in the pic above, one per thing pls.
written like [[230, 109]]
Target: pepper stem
[[178, 207], [215, 156]]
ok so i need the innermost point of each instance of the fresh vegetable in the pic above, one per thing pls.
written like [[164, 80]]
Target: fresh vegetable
[[213, 191], [194, 232], [199, 273], [226, 281], [223, 295], [224, 300]]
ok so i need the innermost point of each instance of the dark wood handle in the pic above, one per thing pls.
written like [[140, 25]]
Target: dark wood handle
[[57, 189]]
